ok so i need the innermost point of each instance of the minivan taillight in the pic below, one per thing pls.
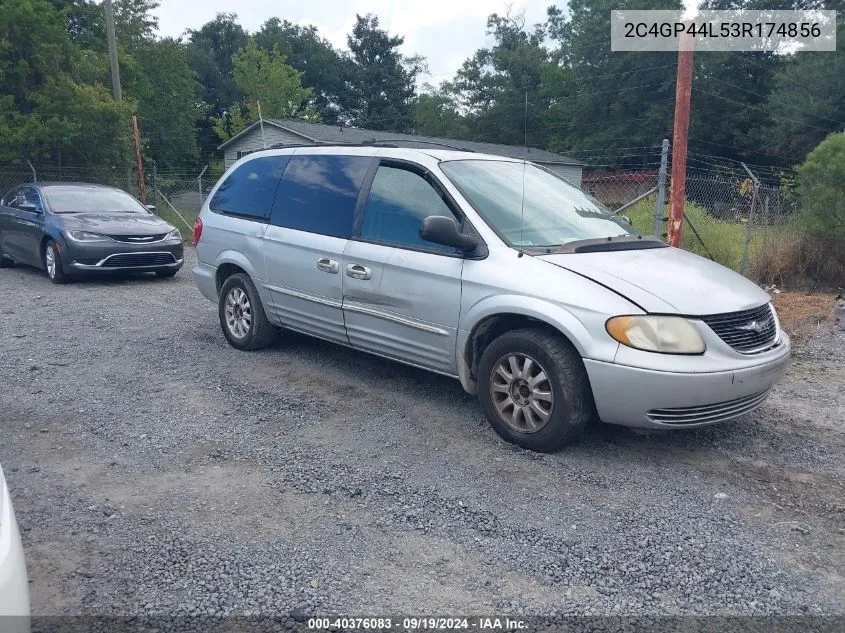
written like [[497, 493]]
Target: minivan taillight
[[197, 230]]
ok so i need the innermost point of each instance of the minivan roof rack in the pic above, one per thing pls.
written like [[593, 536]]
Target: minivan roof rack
[[390, 142]]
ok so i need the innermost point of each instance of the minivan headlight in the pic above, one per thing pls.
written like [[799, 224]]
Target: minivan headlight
[[651, 333], [85, 236], [174, 235]]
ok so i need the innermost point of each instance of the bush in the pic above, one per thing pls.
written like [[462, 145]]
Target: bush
[[822, 189]]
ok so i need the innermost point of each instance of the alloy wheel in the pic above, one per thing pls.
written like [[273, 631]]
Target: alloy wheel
[[522, 393], [50, 260], [238, 311]]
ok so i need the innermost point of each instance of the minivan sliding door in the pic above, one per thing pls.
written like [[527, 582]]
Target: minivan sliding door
[[312, 218]]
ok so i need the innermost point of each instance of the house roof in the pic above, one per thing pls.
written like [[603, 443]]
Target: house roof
[[322, 133]]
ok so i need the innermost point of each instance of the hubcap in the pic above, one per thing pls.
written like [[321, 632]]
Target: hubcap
[[50, 260], [521, 392], [238, 313]]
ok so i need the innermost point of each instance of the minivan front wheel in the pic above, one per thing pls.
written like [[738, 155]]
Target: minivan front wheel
[[242, 316], [534, 389]]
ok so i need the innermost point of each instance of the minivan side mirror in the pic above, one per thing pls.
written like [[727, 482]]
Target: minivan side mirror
[[28, 206], [150, 207], [442, 230]]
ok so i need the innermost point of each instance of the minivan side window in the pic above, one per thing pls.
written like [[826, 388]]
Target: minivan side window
[[248, 191], [318, 194], [399, 201]]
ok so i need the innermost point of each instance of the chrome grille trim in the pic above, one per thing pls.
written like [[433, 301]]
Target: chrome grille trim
[[747, 331], [708, 413]]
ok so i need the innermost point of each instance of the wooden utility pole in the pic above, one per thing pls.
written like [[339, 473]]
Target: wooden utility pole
[[136, 140], [683, 93], [115, 70]]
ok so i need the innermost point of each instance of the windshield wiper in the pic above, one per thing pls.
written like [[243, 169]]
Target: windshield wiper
[[627, 242]]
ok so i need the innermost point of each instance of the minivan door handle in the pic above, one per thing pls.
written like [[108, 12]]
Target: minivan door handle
[[358, 271], [328, 265]]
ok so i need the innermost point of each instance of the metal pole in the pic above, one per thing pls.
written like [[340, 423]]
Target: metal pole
[[34, 174], [661, 189], [261, 123], [683, 93], [115, 69], [748, 227], [199, 182], [136, 138]]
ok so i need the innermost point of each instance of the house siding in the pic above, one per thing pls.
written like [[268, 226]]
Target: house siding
[[572, 173], [251, 141]]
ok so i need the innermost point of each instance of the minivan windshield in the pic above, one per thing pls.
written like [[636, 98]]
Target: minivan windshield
[[82, 199], [552, 213]]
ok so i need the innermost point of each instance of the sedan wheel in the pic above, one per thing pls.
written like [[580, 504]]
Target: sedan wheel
[[521, 392], [53, 263]]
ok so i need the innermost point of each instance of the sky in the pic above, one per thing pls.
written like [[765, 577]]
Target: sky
[[446, 32]]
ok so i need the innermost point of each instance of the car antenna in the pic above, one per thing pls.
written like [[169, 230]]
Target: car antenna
[[524, 152]]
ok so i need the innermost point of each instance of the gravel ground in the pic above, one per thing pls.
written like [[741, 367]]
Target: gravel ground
[[156, 470]]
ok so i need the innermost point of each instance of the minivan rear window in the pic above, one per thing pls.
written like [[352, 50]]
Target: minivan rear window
[[318, 194], [249, 190]]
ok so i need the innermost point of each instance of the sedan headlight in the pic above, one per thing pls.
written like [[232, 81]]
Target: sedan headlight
[[85, 236], [664, 334], [174, 235]]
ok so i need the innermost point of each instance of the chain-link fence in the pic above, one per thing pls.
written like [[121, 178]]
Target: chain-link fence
[[177, 194], [746, 218]]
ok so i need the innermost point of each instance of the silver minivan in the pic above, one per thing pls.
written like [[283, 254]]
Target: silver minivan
[[494, 271]]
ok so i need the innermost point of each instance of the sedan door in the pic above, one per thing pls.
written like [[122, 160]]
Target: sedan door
[[21, 219], [31, 222], [401, 294]]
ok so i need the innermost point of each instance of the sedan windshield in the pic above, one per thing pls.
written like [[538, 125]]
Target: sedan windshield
[[81, 199], [531, 207]]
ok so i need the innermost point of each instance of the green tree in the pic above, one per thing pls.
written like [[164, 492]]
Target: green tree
[[168, 102], [323, 67], [384, 80], [437, 113], [263, 76], [495, 83], [210, 50], [822, 185], [605, 100], [807, 101], [54, 105]]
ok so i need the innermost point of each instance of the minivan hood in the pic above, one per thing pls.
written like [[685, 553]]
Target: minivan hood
[[115, 223], [666, 280]]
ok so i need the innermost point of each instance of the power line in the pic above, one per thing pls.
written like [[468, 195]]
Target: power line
[[745, 105]]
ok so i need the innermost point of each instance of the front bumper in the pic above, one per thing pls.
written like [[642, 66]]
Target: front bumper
[[108, 256], [14, 586], [646, 398]]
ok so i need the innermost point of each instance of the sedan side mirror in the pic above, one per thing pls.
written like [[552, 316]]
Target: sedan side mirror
[[442, 230], [28, 206]]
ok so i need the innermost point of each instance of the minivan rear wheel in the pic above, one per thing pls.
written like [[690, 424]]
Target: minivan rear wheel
[[534, 389], [242, 316]]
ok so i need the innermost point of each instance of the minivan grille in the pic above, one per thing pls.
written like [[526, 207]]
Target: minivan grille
[[747, 331], [708, 413], [138, 259]]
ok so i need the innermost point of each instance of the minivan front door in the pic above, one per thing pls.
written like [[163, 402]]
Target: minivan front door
[[402, 295], [312, 218]]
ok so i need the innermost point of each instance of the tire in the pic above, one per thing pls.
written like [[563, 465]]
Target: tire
[[255, 332], [565, 397], [55, 272], [167, 274]]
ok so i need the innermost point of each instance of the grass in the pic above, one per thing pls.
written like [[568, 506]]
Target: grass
[[721, 240]]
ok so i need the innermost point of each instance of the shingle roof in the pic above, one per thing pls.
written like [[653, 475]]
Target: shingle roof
[[337, 134]]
